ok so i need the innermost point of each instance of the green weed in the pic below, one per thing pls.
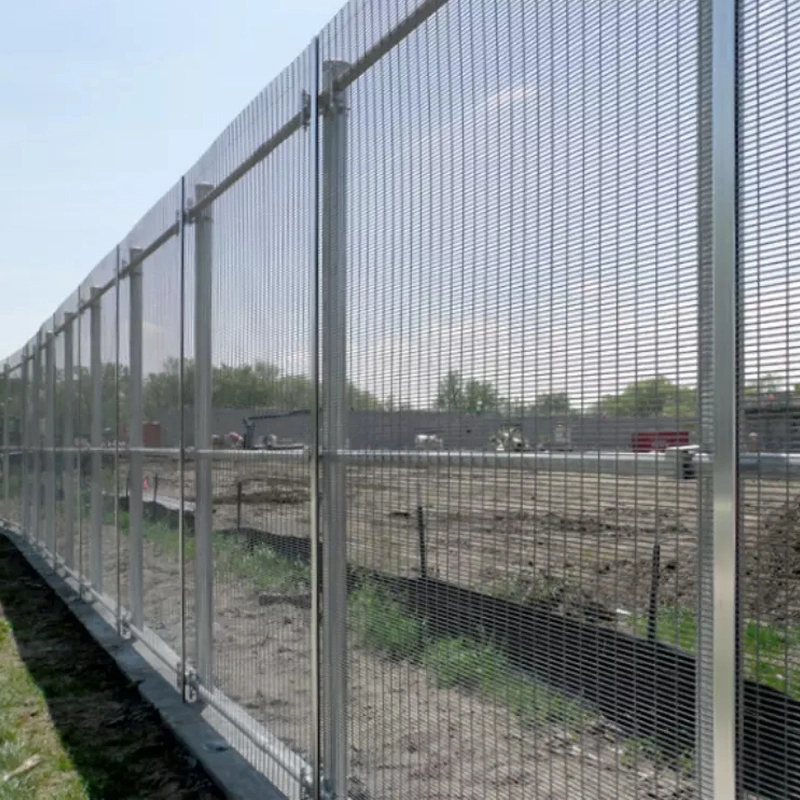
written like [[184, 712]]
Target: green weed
[[260, 565], [771, 655], [536, 705], [381, 624], [466, 663]]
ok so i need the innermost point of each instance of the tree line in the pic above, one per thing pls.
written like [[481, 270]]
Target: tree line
[[264, 385], [650, 397], [260, 385]]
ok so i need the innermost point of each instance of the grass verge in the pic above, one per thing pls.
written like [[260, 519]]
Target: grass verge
[[771, 654], [70, 723]]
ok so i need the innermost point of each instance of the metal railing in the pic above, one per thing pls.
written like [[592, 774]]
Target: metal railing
[[546, 216]]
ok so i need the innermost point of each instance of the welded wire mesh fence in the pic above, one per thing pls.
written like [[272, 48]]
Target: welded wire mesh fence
[[440, 428]]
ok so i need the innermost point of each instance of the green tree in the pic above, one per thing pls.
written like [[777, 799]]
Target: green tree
[[261, 385], [480, 397], [470, 397], [651, 397], [552, 404], [764, 384], [450, 394]]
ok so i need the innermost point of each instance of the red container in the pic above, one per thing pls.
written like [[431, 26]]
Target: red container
[[151, 434], [650, 441]]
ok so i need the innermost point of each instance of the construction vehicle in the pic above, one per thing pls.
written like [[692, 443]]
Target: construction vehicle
[[428, 441], [509, 439], [270, 441]]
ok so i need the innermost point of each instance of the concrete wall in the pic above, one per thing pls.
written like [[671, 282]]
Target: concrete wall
[[381, 430]]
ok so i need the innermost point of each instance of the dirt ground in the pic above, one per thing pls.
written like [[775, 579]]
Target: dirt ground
[[408, 737], [584, 542]]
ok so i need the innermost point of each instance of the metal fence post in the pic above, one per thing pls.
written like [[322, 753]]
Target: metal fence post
[[135, 423], [24, 442], [96, 368], [204, 566], [36, 439], [68, 441], [335, 421], [50, 443], [6, 459], [717, 382]]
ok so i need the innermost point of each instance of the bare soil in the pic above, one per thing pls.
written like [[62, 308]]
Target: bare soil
[[583, 542], [409, 737]]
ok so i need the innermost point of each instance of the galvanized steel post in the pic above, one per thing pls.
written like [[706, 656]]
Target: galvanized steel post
[[726, 450], [68, 440], [314, 461], [335, 430], [135, 423], [6, 459], [50, 443], [717, 655], [36, 439], [25, 442], [96, 439], [204, 566]]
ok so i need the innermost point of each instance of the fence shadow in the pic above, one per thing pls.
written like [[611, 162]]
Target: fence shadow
[[113, 738]]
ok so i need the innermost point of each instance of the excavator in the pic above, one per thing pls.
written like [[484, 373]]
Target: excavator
[[270, 441], [509, 439]]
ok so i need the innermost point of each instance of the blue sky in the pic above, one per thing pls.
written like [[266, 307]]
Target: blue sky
[[522, 185], [103, 105]]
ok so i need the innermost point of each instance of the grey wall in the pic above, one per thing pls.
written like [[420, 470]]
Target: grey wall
[[382, 430]]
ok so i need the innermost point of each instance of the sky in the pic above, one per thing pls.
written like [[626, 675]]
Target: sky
[[103, 105], [521, 187]]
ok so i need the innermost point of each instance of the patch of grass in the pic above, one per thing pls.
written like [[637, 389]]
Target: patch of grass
[[480, 666], [260, 565], [536, 705], [766, 648], [674, 626], [165, 539], [27, 732], [464, 662], [381, 624], [638, 749]]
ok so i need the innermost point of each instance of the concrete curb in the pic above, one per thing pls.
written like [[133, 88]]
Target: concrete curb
[[233, 774]]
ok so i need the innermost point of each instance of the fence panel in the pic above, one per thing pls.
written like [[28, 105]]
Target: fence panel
[[769, 124], [249, 323], [449, 293], [13, 462], [149, 368], [84, 419], [521, 238]]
